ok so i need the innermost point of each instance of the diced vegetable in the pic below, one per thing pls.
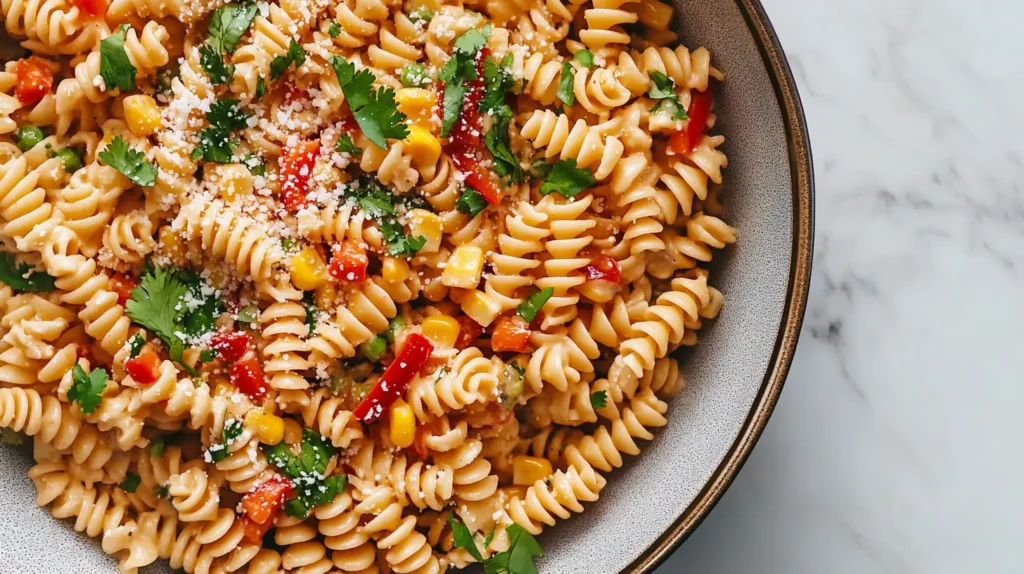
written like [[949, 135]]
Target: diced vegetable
[[469, 330], [510, 334], [402, 424], [92, 7], [267, 499], [296, 168], [442, 330], [231, 345], [348, 262], [144, 369], [29, 137], [527, 470], [267, 428], [684, 141], [33, 80], [308, 270], [70, 158], [603, 267], [374, 349], [396, 324], [247, 375], [122, 285], [392, 384]]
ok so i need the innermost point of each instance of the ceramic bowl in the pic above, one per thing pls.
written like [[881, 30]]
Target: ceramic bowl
[[734, 375]]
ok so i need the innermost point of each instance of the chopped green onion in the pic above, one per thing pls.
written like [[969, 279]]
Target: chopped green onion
[[249, 314], [414, 76], [529, 308]]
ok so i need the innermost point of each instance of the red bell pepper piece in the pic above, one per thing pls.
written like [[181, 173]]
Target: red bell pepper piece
[[252, 531], [123, 284], [468, 163], [603, 267], [247, 376], [510, 334], [267, 499], [469, 330], [296, 168], [396, 378], [144, 369], [684, 141], [92, 7], [348, 262], [33, 80], [231, 345]]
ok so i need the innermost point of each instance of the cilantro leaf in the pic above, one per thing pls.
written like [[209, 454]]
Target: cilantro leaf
[[116, 69], [22, 278], [497, 83], [295, 55], [374, 110], [599, 399], [129, 162], [215, 142], [506, 164], [313, 312], [663, 91], [584, 57], [261, 87], [565, 84], [232, 430], [135, 345], [212, 61], [529, 308], [87, 388], [490, 537], [519, 558], [470, 42], [224, 113], [346, 145], [334, 30], [158, 305], [471, 203], [454, 97], [463, 538], [160, 492], [130, 483], [400, 244], [379, 204], [311, 496], [306, 469], [565, 179], [229, 23]]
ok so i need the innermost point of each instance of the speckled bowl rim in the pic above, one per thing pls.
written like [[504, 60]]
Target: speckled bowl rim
[[802, 174]]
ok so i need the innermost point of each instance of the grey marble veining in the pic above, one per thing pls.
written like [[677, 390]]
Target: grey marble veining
[[896, 445]]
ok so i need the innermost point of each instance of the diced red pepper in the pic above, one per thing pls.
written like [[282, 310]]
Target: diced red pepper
[[265, 500], [510, 334], [684, 141], [468, 163], [122, 285], [144, 369], [348, 262], [247, 376], [396, 378], [603, 267], [252, 531], [230, 345], [92, 7], [296, 168], [469, 330], [34, 80]]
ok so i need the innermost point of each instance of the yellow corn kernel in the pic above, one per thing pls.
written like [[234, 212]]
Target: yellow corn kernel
[[267, 428], [403, 424], [394, 270], [234, 180], [442, 330], [324, 296], [292, 431], [464, 267], [171, 243], [423, 147], [527, 470], [417, 104], [427, 225], [308, 270], [142, 115], [480, 307]]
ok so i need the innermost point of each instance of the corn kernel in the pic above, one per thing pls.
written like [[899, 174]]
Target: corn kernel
[[308, 270], [481, 307], [464, 267], [443, 331], [527, 470], [267, 428], [427, 225], [423, 147], [222, 387], [171, 243], [418, 105], [234, 180], [324, 296], [292, 431], [142, 115], [394, 270], [403, 424]]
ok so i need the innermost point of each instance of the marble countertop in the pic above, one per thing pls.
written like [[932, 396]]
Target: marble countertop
[[895, 447]]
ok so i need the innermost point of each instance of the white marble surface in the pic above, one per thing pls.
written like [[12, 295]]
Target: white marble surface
[[896, 447]]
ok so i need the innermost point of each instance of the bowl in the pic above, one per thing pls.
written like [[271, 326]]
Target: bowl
[[734, 375]]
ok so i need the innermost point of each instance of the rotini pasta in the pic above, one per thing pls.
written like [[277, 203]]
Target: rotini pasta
[[350, 276]]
